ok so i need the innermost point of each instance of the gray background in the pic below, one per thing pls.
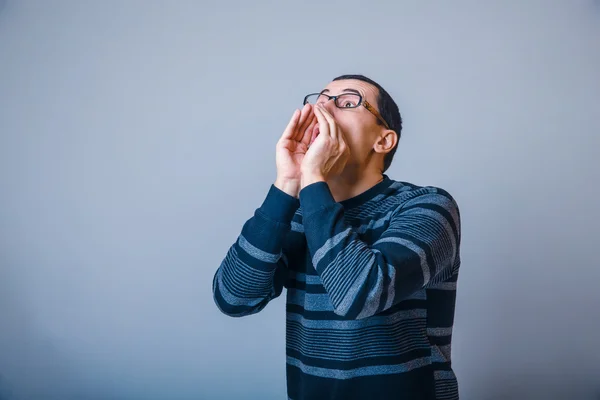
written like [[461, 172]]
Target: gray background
[[136, 137]]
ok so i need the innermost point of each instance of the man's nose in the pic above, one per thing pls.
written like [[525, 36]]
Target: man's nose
[[329, 105]]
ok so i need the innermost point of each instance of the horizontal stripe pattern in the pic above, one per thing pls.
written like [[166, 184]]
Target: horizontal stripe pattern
[[446, 331], [446, 385], [358, 372], [371, 289], [391, 340], [353, 324], [246, 281], [257, 253]]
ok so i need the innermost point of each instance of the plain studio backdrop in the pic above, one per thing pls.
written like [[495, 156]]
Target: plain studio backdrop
[[137, 136]]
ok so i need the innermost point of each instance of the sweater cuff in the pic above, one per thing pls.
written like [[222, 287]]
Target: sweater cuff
[[315, 196], [279, 206]]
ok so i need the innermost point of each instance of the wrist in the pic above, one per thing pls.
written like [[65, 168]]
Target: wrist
[[289, 186], [309, 178]]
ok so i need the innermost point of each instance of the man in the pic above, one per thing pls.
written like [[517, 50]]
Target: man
[[370, 264]]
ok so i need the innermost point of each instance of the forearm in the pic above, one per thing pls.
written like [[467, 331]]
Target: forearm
[[417, 248], [360, 280], [354, 276], [247, 278]]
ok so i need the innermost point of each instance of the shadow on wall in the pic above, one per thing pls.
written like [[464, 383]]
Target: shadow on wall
[[561, 386], [5, 389], [13, 318], [31, 365]]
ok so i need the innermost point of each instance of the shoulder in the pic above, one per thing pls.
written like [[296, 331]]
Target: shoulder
[[414, 197], [407, 191]]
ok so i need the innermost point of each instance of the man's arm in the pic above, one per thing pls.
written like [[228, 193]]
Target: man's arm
[[254, 269], [420, 247]]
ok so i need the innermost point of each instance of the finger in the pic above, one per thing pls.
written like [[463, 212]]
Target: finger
[[289, 131], [304, 124], [335, 129], [309, 131], [322, 121], [304, 117], [331, 122], [336, 133]]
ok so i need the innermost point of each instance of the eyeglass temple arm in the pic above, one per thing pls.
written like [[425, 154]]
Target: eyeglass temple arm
[[376, 114]]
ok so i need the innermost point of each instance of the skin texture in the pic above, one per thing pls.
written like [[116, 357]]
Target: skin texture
[[343, 147]]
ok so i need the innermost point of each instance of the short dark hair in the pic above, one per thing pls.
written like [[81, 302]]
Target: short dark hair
[[387, 108]]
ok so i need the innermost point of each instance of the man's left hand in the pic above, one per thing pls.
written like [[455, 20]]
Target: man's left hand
[[328, 154]]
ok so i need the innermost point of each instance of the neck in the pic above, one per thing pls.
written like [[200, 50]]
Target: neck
[[351, 183]]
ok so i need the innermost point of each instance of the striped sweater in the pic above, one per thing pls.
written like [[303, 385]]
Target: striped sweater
[[371, 288]]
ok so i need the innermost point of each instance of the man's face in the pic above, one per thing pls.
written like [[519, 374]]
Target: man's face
[[358, 125]]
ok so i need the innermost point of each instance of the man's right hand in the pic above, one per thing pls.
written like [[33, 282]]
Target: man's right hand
[[292, 147]]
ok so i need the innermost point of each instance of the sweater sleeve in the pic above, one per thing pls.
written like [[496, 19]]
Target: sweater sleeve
[[419, 248], [254, 269]]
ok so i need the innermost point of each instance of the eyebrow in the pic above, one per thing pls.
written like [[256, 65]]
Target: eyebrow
[[345, 90]]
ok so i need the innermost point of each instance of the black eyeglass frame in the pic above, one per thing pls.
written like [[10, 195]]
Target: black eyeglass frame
[[361, 101]]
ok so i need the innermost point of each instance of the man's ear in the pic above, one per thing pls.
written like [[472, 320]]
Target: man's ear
[[386, 142]]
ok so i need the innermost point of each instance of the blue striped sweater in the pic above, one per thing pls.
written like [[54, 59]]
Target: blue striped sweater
[[371, 288]]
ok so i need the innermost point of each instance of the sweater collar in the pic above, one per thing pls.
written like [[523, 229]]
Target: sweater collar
[[368, 194]]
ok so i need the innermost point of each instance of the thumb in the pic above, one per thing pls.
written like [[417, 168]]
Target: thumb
[[288, 133]]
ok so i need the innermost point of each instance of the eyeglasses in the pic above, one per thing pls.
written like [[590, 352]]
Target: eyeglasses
[[344, 100]]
